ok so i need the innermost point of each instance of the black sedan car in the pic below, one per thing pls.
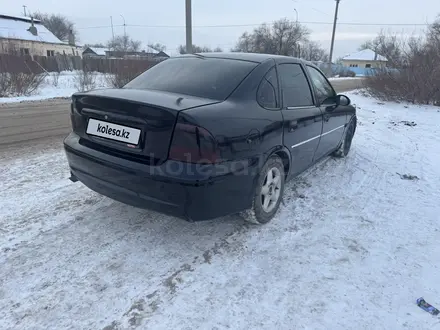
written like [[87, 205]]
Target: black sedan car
[[206, 135]]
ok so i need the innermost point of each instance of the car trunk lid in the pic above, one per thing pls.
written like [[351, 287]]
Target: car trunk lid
[[133, 124]]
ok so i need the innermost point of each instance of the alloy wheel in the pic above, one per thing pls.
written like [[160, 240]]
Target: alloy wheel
[[271, 189]]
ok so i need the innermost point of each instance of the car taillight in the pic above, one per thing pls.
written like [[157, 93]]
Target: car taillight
[[193, 144], [72, 117]]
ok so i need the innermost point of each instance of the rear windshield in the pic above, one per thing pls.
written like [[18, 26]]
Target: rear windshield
[[202, 77]]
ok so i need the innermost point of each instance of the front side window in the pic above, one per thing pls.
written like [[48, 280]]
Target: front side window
[[211, 78], [267, 94], [322, 87], [295, 88]]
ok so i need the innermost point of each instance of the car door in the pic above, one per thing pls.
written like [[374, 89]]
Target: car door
[[335, 117], [302, 119]]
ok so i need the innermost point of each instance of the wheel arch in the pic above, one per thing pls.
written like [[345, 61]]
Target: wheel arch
[[284, 154], [353, 119]]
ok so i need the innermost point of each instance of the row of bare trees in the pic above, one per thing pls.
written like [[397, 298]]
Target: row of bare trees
[[417, 60], [283, 37]]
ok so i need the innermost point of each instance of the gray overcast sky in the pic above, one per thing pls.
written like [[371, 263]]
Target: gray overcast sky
[[92, 13]]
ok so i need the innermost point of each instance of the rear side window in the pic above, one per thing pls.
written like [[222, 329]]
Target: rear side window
[[211, 78], [295, 88], [267, 94]]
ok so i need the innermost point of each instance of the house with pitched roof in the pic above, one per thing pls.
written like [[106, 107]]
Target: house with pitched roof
[[365, 59], [147, 52], [28, 36], [95, 52]]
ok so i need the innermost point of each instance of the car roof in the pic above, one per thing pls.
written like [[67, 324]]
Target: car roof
[[250, 57]]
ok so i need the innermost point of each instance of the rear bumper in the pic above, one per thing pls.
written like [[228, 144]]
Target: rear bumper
[[189, 191]]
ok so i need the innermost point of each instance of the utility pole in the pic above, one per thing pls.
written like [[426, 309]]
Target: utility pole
[[333, 35], [189, 49], [113, 31], [24, 10], [295, 46], [125, 34]]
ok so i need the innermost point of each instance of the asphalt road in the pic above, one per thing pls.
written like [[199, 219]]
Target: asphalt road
[[27, 121]]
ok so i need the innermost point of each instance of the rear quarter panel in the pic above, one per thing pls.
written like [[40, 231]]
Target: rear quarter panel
[[242, 128]]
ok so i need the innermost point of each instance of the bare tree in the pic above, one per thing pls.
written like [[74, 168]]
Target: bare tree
[[434, 33], [198, 49], [58, 24], [124, 43], [312, 51], [283, 37], [158, 47], [55, 78], [97, 45], [417, 79], [366, 45], [338, 60], [85, 79], [245, 43], [19, 83], [388, 45]]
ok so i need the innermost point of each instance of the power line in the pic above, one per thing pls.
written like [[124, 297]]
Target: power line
[[249, 25]]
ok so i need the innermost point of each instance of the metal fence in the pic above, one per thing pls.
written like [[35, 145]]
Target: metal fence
[[38, 64]]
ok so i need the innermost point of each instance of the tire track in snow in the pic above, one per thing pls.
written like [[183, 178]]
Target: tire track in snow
[[147, 305]]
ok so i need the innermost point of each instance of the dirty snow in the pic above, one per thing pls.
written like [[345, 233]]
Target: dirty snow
[[65, 86], [353, 246]]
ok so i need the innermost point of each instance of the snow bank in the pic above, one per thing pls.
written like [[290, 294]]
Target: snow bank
[[345, 78], [65, 87], [353, 246]]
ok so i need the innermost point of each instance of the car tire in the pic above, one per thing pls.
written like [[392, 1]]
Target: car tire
[[345, 145], [268, 192]]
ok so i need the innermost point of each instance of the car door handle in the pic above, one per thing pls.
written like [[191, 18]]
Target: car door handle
[[293, 125], [252, 137]]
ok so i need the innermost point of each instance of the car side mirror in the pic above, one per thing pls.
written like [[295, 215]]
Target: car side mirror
[[343, 100]]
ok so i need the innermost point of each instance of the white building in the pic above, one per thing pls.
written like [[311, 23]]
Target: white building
[[95, 52], [26, 36], [366, 59]]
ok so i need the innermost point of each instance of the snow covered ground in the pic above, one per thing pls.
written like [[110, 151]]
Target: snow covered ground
[[345, 78], [65, 86], [353, 246]]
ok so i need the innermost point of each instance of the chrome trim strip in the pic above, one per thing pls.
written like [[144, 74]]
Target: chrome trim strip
[[306, 107], [317, 137], [301, 143], [334, 129]]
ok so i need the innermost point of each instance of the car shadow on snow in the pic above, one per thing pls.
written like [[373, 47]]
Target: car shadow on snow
[[159, 231]]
